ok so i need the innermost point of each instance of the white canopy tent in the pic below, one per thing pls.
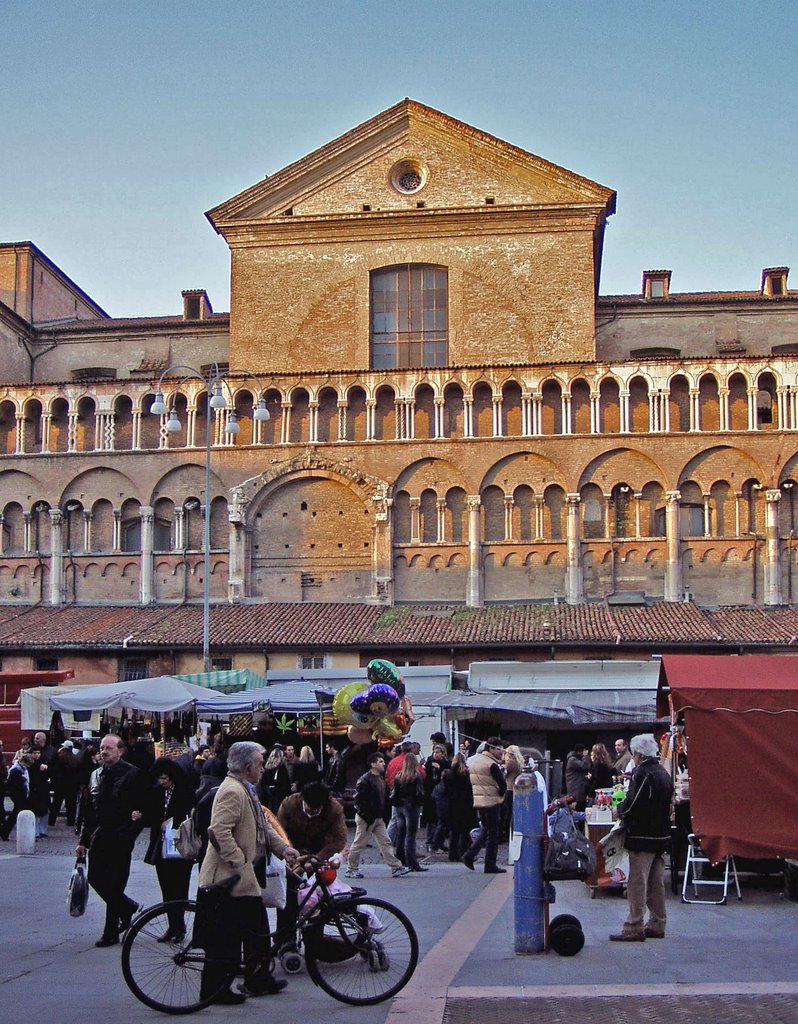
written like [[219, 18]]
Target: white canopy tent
[[157, 694]]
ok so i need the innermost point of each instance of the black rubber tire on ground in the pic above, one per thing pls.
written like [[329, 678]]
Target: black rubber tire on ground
[[165, 976], [564, 919], [365, 966], [567, 939]]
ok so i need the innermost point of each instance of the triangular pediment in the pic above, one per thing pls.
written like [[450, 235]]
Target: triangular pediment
[[410, 156]]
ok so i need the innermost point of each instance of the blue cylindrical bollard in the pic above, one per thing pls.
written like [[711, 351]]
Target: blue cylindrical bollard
[[529, 909]]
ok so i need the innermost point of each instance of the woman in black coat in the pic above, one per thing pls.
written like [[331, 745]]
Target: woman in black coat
[[171, 797], [459, 806]]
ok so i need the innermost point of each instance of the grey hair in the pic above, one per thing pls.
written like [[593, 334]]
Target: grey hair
[[241, 755], [645, 745]]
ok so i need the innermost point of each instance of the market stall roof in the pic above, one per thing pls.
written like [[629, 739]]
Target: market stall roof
[[579, 707], [739, 710], [304, 696], [765, 682], [225, 680], [159, 693]]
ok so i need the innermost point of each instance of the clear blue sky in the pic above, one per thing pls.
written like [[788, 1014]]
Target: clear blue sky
[[123, 122]]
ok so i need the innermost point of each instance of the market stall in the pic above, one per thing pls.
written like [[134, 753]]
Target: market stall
[[740, 720]]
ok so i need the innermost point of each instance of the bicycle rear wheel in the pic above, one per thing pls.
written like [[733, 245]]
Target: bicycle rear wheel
[[165, 976], [361, 953]]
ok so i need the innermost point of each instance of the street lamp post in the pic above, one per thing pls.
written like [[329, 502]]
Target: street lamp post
[[212, 383]]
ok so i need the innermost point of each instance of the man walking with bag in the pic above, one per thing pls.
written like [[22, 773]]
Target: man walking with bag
[[646, 818], [113, 820]]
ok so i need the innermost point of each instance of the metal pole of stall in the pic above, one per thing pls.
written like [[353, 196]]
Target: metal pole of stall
[[529, 905]]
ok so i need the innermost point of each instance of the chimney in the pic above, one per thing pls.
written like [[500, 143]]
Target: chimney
[[196, 304]]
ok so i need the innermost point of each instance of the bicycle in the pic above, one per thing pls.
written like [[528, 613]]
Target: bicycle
[[359, 949]]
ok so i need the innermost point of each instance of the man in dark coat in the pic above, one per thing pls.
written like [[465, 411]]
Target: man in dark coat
[[646, 817], [335, 771], [113, 820], [371, 812], [577, 767]]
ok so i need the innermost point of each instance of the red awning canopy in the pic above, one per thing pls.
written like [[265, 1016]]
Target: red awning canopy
[[37, 678], [741, 717]]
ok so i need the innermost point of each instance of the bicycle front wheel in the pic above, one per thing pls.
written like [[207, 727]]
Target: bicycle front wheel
[[165, 974], [362, 952]]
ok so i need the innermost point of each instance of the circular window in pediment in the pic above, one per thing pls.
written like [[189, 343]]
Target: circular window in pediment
[[408, 177]]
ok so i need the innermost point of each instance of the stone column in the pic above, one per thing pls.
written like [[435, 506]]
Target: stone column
[[772, 564], [135, 440], [497, 416], [147, 523], [474, 595], [382, 549], [341, 419], [117, 541], [695, 410], [574, 575], [72, 431], [468, 415], [27, 519], [19, 433], [536, 426], [47, 421], [440, 405], [723, 401], [673, 564], [180, 529], [237, 570], [415, 520], [509, 505], [440, 506], [87, 518], [595, 412], [56, 556], [565, 402], [752, 424], [285, 433], [623, 412]]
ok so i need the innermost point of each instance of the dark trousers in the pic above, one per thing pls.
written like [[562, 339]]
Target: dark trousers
[[488, 835], [459, 839], [238, 922], [61, 796], [173, 878], [406, 830], [109, 870]]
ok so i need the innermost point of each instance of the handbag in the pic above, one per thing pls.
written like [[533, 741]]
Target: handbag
[[169, 850], [78, 892], [275, 888], [570, 855], [188, 841]]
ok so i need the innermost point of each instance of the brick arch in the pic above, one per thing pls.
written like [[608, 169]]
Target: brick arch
[[183, 482], [721, 463], [523, 467], [94, 484], [621, 465], [311, 539], [437, 474]]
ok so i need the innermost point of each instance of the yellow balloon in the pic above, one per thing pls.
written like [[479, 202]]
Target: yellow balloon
[[341, 708]]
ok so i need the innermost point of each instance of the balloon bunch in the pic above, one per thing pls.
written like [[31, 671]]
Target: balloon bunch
[[377, 710]]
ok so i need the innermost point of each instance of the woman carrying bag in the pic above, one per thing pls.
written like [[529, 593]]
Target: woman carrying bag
[[407, 796], [171, 800]]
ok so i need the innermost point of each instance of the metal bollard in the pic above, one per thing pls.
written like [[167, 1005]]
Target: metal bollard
[[529, 908], [26, 833]]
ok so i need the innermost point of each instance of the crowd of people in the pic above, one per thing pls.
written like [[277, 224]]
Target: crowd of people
[[245, 801]]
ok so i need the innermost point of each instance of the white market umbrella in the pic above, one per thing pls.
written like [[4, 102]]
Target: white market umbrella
[[159, 693]]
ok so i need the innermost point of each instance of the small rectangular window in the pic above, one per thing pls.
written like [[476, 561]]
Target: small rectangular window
[[657, 288], [132, 668], [311, 661], [221, 664], [45, 664]]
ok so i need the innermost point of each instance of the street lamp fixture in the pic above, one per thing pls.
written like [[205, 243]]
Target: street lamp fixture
[[212, 383]]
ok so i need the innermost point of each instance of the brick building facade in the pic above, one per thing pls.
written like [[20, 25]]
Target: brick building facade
[[457, 415]]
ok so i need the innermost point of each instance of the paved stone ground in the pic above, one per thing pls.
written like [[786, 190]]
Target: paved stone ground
[[736, 963]]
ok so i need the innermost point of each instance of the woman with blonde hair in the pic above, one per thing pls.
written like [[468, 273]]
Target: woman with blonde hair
[[275, 783], [306, 769], [513, 766], [407, 796]]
